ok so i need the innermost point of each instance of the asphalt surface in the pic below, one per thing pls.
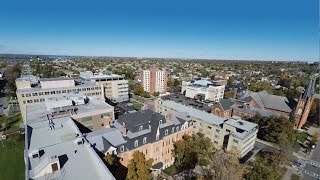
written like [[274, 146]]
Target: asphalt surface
[[311, 169]]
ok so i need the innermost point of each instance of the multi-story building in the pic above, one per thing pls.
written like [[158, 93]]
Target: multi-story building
[[202, 89], [232, 134], [115, 86], [33, 91], [90, 114], [146, 131], [55, 146], [154, 80]]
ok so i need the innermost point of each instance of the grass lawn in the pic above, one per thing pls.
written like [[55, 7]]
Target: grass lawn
[[301, 136], [170, 170], [12, 160], [295, 177]]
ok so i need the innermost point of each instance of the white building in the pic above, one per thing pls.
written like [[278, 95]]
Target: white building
[[115, 86], [203, 88]]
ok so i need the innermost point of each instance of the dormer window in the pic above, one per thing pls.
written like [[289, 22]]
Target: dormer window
[[160, 122], [166, 132], [144, 140], [172, 129], [136, 143], [123, 124], [140, 128]]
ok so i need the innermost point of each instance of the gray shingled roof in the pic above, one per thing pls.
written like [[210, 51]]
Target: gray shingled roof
[[265, 100], [226, 103]]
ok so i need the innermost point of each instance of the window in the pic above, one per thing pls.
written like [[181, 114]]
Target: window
[[216, 142], [69, 90], [140, 128], [121, 148], [216, 136], [29, 101], [104, 115], [22, 95], [227, 130], [46, 93], [28, 95], [172, 129], [144, 140], [53, 92], [24, 102], [58, 92], [41, 100], [84, 89], [40, 93], [136, 143], [177, 128], [64, 91], [88, 118], [157, 137], [217, 130], [36, 100], [160, 122], [166, 132]]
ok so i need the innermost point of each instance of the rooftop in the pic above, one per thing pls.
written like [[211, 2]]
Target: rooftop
[[179, 98], [59, 145], [195, 113], [238, 123], [90, 75]]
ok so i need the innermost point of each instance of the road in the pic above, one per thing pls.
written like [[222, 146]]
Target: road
[[311, 170]]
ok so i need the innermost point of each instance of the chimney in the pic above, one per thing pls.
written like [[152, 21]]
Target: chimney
[[124, 131], [169, 116]]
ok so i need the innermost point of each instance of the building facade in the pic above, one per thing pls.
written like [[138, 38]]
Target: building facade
[[202, 89], [222, 108], [115, 87], [154, 80], [231, 134], [146, 131]]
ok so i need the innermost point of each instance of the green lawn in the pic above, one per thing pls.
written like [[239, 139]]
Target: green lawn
[[301, 136], [12, 160]]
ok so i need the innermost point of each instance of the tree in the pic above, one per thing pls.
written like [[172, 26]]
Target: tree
[[109, 159], [11, 74], [156, 94], [228, 94], [176, 82], [145, 94], [264, 168], [138, 90], [170, 82], [139, 168]]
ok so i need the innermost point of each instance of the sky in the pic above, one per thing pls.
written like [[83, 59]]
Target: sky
[[212, 29]]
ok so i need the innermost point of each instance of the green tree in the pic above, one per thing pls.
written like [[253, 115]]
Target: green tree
[[11, 74], [264, 168], [145, 94], [139, 168], [176, 82], [170, 82], [156, 94], [138, 90]]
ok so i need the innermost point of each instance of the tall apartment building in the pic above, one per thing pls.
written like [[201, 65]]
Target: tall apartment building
[[154, 80], [146, 131], [33, 91], [55, 146], [115, 87], [231, 134], [202, 89]]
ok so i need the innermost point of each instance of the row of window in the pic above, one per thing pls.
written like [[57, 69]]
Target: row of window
[[60, 91], [42, 99]]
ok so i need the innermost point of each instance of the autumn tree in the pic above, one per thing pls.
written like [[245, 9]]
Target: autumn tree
[[11, 74], [139, 167], [138, 90], [264, 168]]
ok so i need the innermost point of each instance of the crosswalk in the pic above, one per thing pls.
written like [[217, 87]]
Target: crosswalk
[[309, 173]]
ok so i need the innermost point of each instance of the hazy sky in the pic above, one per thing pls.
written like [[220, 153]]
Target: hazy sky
[[223, 29]]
